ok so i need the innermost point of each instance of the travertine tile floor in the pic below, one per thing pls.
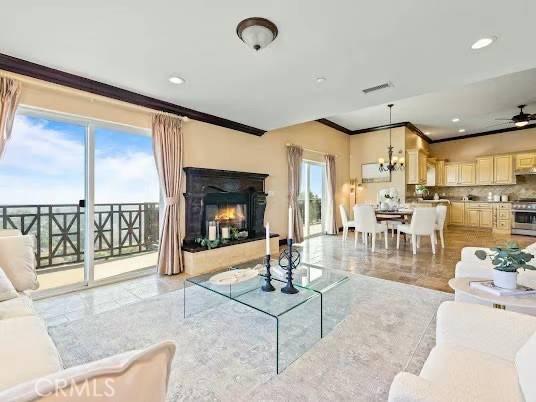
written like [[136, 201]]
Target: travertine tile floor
[[424, 269]]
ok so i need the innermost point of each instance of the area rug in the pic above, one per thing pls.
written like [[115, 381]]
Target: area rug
[[226, 351]]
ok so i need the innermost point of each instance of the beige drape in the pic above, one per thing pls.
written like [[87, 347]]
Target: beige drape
[[168, 155], [295, 156], [9, 99], [330, 220]]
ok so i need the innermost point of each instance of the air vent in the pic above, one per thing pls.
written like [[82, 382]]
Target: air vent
[[377, 87]]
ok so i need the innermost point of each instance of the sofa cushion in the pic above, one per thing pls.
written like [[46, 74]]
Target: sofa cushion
[[18, 261], [526, 368], [26, 351], [489, 377], [18, 307], [137, 376], [7, 291]]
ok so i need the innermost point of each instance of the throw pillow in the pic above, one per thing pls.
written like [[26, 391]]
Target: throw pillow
[[7, 291], [18, 261]]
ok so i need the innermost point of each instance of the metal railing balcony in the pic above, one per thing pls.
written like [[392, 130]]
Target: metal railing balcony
[[120, 229]]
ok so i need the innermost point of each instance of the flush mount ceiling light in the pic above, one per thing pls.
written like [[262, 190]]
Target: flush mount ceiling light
[[176, 80], [461, 130], [256, 32], [320, 80], [455, 120], [483, 42]]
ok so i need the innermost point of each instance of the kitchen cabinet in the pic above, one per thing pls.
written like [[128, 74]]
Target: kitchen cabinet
[[525, 160], [502, 217], [456, 213], [503, 169], [485, 218], [479, 214], [440, 172], [472, 217], [484, 170], [459, 174], [415, 166], [451, 173], [467, 174]]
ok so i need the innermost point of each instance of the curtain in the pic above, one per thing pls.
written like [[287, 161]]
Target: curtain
[[295, 155], [168, 155], [9, 99], [330, 221]]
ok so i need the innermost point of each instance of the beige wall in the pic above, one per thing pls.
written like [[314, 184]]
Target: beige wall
[[470, 148], [212, 146], [367, 148]]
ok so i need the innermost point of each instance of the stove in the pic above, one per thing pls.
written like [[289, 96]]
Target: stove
[[524, 217]]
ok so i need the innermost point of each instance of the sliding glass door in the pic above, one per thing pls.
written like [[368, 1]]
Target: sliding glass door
[[312, 190], [88, 193]]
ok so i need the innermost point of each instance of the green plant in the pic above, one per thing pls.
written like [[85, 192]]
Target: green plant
[[205, 242], [420, 189], [509, 258]]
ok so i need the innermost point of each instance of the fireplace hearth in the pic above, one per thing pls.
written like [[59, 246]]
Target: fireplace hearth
[[224, 205]]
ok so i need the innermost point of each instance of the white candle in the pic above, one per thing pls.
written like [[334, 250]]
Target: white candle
[[290, 221], [267, 239], [212, 232], [225, 233]]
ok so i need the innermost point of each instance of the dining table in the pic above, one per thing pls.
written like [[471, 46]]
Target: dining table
[[386, 215]]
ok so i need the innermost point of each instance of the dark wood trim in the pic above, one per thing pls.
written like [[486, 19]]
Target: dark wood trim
[[282, 242], [335, 126], [40, 72], [418, 131], [499, 131], [379, 128]]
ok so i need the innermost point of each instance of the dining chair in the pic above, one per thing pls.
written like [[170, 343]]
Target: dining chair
[[423, 223], [366, 223], [441, 216], [346, 224]]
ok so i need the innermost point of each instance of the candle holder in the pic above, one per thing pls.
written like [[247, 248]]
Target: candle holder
[[267, 287], [289, 260]]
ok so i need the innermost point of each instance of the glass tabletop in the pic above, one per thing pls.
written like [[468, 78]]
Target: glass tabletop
[[249, 292]]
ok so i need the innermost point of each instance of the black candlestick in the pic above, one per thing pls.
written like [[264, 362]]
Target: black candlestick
[[268, 287], [289, 287]]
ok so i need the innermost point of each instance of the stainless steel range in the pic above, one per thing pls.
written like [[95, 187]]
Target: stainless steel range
[[524, 217]]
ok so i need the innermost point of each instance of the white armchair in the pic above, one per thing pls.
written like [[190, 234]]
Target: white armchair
[[481, 354]]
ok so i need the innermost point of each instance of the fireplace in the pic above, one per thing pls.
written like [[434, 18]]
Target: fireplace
[[223, 205]]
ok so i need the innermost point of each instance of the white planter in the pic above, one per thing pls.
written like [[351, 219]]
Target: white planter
[[505, 280]]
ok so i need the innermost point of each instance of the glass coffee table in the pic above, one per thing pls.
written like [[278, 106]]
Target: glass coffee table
[[298, 313]]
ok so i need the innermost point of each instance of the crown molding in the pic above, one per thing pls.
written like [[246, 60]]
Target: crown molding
[[336, 126], [484, 133], [40, 72]]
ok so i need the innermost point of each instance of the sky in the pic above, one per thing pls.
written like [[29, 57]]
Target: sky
[[316, 172], [44, 164]]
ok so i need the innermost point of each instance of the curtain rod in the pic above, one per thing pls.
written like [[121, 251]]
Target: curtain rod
[[311, 150]]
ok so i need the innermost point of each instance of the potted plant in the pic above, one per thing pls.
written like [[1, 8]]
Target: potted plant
[[422, 191], [506, 261]]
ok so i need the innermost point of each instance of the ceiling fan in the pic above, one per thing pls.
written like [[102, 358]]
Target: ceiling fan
[[521, 119]]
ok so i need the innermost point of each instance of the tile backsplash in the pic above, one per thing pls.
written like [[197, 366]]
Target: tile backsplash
[[525, 188]]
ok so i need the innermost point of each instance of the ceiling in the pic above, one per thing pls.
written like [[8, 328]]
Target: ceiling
[[421, 46], [477, 106]]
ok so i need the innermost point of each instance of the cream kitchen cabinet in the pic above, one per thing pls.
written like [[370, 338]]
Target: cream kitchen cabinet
[[459, 174], [484, 170], [415, 167], [525, 160], [456, 213], [440, 172], [479, 214], [503, 172]]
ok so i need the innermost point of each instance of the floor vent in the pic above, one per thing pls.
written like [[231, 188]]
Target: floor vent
[[377, 87]]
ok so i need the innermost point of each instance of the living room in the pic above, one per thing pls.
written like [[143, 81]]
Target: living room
[[307, 218]]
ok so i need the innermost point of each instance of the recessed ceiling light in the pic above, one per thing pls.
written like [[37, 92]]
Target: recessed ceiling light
[[461, 130], [455, 120], [483, 42], [176, 80], [320, 80]]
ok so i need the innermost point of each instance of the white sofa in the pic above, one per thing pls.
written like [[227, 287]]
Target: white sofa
[[481, 354], [471, 267], [28, 354]]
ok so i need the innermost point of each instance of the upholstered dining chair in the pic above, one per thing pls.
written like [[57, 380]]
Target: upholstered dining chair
[[422, 223], [346, 224], [366, 223], [441, 216]]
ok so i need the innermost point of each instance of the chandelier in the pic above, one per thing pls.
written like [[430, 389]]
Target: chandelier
[[394, 163]]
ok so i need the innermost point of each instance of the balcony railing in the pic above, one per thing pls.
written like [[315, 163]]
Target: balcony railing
[[120, 229]]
